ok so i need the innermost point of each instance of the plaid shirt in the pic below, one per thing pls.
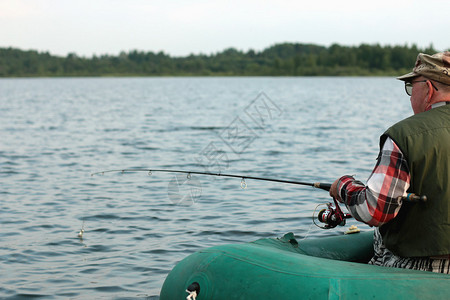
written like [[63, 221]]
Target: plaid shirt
[[377, 203]]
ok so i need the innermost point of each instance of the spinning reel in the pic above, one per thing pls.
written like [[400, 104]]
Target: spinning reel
[[332, 216]]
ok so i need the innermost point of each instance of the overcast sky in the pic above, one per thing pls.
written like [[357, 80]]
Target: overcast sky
[[179, 28]]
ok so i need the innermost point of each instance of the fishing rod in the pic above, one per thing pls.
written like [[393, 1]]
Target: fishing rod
[[323, 186], [331, 216]]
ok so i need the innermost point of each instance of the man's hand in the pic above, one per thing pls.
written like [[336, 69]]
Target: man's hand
[[334, 191]]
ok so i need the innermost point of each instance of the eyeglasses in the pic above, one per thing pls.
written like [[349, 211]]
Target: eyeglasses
[[409, 86]]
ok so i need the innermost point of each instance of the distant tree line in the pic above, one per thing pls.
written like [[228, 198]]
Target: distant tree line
[[287, 59]]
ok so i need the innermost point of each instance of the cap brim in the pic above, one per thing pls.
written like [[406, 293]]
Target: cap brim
[[408, 76]]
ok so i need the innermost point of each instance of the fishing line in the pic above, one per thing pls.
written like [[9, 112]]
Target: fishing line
[[331, 216]]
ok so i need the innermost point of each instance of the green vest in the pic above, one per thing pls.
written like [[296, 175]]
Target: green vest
[[423, 229]]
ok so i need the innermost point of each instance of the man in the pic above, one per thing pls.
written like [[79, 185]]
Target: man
[[414, 157]]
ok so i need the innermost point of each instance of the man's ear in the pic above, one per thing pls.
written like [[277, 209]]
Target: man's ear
[[430, 91]]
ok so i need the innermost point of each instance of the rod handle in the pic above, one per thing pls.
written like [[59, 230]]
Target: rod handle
[[414, 198], [323, 186]]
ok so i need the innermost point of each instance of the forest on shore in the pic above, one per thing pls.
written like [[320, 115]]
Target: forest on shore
[[286, 59]]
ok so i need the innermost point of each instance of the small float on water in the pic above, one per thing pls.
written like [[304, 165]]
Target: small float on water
[[321, 268]]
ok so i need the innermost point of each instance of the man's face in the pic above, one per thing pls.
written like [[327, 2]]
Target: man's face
[[419, 94]]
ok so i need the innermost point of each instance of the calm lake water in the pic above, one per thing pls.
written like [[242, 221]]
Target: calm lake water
[[55, 132]]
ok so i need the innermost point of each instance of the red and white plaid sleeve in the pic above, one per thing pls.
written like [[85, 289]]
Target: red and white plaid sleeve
[[377, 202]]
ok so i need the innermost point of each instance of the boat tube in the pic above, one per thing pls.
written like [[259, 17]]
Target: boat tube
[[320, 268]]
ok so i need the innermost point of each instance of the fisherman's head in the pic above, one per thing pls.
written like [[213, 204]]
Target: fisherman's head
[[429, 81]]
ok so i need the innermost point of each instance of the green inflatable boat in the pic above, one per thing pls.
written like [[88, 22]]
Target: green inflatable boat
[[322, 268]]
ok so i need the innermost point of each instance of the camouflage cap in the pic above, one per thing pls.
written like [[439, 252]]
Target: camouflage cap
[[435, 67]]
